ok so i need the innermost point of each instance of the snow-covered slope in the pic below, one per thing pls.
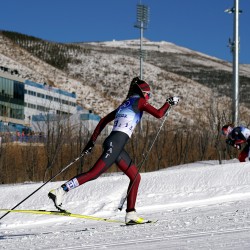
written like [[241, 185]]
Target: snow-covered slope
[[199, 206], [101, 77]]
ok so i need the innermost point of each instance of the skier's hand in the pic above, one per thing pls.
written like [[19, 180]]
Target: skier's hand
[[88, 148], [173, 100], [232, 143], [238, 146]]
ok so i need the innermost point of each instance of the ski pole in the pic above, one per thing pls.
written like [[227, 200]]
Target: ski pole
[[143, 160], [71, 163]]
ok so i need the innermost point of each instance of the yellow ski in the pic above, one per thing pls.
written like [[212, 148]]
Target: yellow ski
[[58, 213]]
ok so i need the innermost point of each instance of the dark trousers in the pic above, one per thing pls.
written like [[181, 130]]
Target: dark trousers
[[113, 152]]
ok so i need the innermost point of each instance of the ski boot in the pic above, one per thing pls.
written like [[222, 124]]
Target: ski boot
[[132, 218], [56, 195]]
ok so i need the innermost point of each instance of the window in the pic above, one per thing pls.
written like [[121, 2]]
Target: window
[[56, 99], [32, 106], [30, 92], [48, 97], [40, 95], [6, 86], [19, 91]]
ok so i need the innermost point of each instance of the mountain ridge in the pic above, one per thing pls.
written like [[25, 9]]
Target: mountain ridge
[[101, 73]]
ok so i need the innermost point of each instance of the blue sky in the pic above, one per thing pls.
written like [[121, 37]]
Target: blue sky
[[200, 25]]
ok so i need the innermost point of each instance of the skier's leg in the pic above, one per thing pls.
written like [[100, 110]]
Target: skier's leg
[[125, 164], [244, 154], [57, 194], [112, 146]]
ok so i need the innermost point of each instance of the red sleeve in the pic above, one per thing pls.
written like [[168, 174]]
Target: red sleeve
[[240, 141], [101, 125], [143, 105]]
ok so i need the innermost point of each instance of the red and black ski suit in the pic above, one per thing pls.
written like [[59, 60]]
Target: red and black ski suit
[[113, 146], [237, 137]]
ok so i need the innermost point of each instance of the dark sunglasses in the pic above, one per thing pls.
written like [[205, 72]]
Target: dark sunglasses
[[148, 93]]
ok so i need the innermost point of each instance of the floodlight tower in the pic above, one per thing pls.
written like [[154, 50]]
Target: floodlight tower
[[142, 19], [234, 45]]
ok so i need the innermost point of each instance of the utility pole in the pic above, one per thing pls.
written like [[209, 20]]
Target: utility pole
[[234, 45]]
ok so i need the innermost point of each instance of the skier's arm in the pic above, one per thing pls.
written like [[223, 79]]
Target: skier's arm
[[143, 105], [237, 135], [100, 126], [236, 138], [233, 143]]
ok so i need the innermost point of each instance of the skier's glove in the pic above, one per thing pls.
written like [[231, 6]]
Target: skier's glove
[[238, 146], [232, 143], [173, 100], [88, 148]]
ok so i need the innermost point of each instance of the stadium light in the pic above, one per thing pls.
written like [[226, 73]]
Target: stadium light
[[142, 19]]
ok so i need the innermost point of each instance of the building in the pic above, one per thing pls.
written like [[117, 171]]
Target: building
[[21, 99], [11, 100], [43, 99], [24, 104]]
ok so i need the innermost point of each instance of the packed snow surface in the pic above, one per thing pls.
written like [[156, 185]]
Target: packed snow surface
[[202, 205]]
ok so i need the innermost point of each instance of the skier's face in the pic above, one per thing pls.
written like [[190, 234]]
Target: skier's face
[[227, 131], [147, 95]]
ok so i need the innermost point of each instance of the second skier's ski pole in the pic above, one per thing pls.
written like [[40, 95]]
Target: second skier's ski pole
[[71, 163]]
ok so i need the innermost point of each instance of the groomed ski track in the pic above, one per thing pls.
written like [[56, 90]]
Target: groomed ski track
[[220, 226], [212, 214]]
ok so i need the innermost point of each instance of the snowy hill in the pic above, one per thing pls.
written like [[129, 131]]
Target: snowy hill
[[100, 75], [199, 206]]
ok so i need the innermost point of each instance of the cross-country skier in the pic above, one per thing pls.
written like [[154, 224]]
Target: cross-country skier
[[236, 136], [125, 117]]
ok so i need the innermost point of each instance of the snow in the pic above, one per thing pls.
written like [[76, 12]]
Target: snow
[[202, 205]]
